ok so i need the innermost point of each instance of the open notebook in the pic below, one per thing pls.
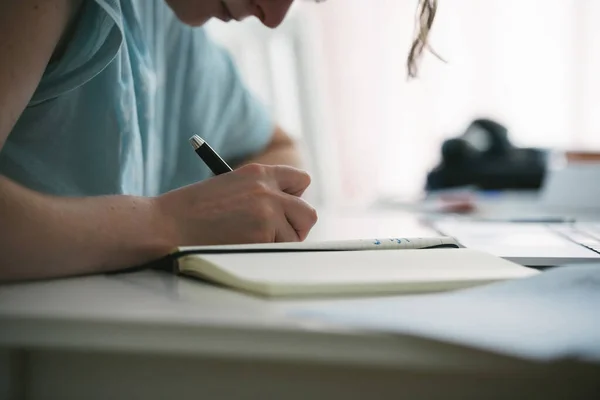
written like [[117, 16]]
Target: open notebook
[[354, 267]]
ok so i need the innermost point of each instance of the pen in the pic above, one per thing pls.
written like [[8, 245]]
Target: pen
[[210, 157]]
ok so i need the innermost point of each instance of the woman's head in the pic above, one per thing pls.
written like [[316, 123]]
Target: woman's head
[[272, 12]]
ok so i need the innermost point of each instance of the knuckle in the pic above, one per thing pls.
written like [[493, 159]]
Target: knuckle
[[254, 169], [261, 189], [302, 179], [306, 178], [313, 216], [264, 213], [263, 223], [299, 174]]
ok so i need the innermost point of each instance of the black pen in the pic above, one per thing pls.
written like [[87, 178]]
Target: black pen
[[210, 157]]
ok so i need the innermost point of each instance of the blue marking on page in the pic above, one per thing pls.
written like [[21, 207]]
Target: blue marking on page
[[377, 242]]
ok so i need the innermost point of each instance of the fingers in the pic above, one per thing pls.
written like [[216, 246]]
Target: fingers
[[287, 179], [276, 191], [301, 217], [290, 180], [286, 233]]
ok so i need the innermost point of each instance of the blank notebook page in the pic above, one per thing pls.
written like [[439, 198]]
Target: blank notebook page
[[365, 267]]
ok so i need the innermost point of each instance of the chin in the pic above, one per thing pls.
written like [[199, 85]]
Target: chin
[[188, 12], [193, 21]]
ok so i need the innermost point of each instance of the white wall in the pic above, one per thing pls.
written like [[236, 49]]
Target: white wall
[[531, 64]]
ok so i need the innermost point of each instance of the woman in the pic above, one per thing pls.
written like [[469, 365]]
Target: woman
[[97, 101]]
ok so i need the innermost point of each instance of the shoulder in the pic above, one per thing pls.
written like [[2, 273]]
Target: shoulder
[[30, 31], [91, 42]]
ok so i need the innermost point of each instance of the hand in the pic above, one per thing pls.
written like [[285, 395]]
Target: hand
[[253, 204]]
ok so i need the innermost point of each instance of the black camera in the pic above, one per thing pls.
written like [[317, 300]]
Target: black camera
[[483, 157]]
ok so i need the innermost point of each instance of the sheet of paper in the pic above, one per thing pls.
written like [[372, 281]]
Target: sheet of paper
[[368, 267], [553, 315]]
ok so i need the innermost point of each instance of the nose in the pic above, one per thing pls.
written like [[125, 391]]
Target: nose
[[273, 12]]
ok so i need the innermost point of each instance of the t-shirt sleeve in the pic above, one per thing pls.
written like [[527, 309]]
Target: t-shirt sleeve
[[206, 95], [225, 110], [96, 39]]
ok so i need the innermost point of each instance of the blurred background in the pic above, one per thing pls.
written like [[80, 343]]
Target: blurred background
[[334, 76]]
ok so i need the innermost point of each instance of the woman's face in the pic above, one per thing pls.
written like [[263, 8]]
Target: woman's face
[[196, 12]]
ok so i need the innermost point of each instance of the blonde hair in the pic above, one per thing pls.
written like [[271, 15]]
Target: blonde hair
[[426, 10]]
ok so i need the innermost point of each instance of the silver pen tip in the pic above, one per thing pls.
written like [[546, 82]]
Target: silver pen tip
[[196, 142]]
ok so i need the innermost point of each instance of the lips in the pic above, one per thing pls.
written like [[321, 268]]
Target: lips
[[260, 13], [240, 13], [227, 15]]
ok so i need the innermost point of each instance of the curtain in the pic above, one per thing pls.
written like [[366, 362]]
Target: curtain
[[532, 65]]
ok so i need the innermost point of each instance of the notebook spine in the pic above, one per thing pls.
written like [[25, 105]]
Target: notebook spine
[[170, 262], [304, 250]]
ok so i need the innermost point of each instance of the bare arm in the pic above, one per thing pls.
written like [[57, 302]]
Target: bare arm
[[44, 236], [30, 32], [282, 150], [40, 235]]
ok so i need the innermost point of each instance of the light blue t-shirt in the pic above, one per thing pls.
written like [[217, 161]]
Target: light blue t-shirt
[[114, 114]]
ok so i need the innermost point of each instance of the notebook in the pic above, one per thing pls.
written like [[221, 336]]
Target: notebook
[[352, 267]]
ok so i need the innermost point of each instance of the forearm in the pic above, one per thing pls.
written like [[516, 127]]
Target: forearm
[[44, 236], [282, 150], [282, 155]]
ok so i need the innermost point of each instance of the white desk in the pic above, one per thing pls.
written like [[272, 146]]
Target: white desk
[[369, 224], [508, 205], [152, 335]]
